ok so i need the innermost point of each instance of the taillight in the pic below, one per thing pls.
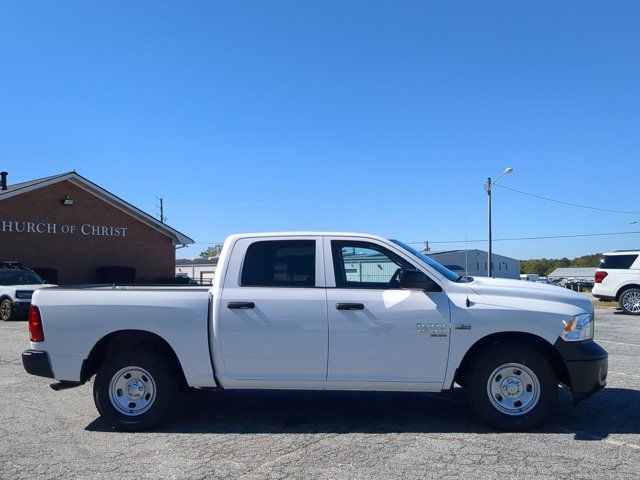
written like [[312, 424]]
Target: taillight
[[35, 324], [600, 276]]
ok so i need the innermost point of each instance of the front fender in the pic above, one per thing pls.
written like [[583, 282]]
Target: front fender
[[486, 316]]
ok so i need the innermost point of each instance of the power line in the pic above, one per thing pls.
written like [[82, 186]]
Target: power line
[[566, 203], [545, 237], [599, 234]]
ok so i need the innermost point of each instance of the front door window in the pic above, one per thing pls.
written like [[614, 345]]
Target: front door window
[[366, 265]]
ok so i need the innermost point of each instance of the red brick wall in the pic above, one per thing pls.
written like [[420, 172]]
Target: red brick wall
[[75, 255]]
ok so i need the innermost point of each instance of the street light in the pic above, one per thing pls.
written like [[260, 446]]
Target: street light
[[487, 187]]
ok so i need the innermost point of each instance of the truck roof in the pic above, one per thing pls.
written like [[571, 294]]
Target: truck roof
[[623, 252], [305, 234]]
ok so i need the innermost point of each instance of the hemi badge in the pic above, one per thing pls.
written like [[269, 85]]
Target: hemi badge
[[462, 326]]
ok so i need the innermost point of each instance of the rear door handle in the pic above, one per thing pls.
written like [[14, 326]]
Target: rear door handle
[[349, 306], [240, 305]]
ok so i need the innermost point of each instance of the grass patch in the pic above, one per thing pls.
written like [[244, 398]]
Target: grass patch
[[599, 303]]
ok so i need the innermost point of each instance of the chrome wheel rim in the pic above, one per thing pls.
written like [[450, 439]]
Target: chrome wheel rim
[[631, 302], [132, 391], [513, 389], [5, 309]]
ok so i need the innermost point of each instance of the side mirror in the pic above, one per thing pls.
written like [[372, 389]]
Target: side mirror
[[417, 280]]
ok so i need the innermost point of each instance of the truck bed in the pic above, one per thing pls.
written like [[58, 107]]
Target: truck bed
[[75, 318]]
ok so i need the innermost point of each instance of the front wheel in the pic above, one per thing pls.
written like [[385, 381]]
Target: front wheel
[[630, 301], [512, 387], [134, 390], [6, 310]]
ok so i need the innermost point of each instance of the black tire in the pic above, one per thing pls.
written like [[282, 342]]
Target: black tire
[[6, 310], [159, 373], [494, 358], [626, 302]]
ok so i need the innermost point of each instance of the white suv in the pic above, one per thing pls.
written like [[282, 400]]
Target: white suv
[[16, 288], [618, 279]]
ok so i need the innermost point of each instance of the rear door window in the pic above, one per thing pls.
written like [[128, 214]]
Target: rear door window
[[280, 263], [617, 261]]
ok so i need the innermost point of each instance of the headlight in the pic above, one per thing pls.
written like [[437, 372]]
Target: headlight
[[579, 327], [24, 294]]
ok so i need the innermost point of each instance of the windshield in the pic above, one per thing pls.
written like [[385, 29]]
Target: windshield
[[20, 277], [454, 277]]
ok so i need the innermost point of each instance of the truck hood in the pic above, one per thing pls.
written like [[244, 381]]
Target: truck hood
[[511, 289]]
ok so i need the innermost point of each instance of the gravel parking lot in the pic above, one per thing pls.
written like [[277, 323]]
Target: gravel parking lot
[[46, 434]]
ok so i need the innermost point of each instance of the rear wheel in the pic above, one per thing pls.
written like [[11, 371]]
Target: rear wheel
[[630, 301], [512, 387], [6, 310], [134, 390]]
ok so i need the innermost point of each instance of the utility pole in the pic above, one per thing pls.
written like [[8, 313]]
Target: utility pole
[[488, 189], [487, 186], [161, 207]]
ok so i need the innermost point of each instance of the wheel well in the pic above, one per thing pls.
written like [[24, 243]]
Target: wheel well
[[124, 339], [528, 339], [624, 289]]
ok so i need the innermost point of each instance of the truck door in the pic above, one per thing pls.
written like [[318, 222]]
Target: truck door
[[273, 311], [377, 331]]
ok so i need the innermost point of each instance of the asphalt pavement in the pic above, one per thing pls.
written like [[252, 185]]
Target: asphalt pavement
[[269, 434]]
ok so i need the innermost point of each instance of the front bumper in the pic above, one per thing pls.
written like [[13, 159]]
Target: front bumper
[[36, 362], [587, 364]]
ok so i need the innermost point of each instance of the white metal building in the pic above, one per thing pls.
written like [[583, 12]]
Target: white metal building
[[476, 263], [372, 268], [575, 273], [368, 268], [202, 270]]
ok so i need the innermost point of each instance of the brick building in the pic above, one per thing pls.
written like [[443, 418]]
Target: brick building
[[73, 231]]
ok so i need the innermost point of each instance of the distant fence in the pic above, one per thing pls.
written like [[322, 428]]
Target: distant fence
[[370, 271]]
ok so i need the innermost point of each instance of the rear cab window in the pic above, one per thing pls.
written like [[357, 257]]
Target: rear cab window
[[622, 262], [279, 263]]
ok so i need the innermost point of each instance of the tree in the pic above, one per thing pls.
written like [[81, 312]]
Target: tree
[[587, 260], [212, 251], [544, 266]]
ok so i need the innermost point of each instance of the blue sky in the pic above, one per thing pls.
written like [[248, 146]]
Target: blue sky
[[384, 117]]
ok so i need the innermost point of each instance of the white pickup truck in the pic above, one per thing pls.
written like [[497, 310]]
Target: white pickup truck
[[321, 311]]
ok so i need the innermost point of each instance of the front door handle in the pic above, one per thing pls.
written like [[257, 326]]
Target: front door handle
[[240, 305], [349, 306]]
